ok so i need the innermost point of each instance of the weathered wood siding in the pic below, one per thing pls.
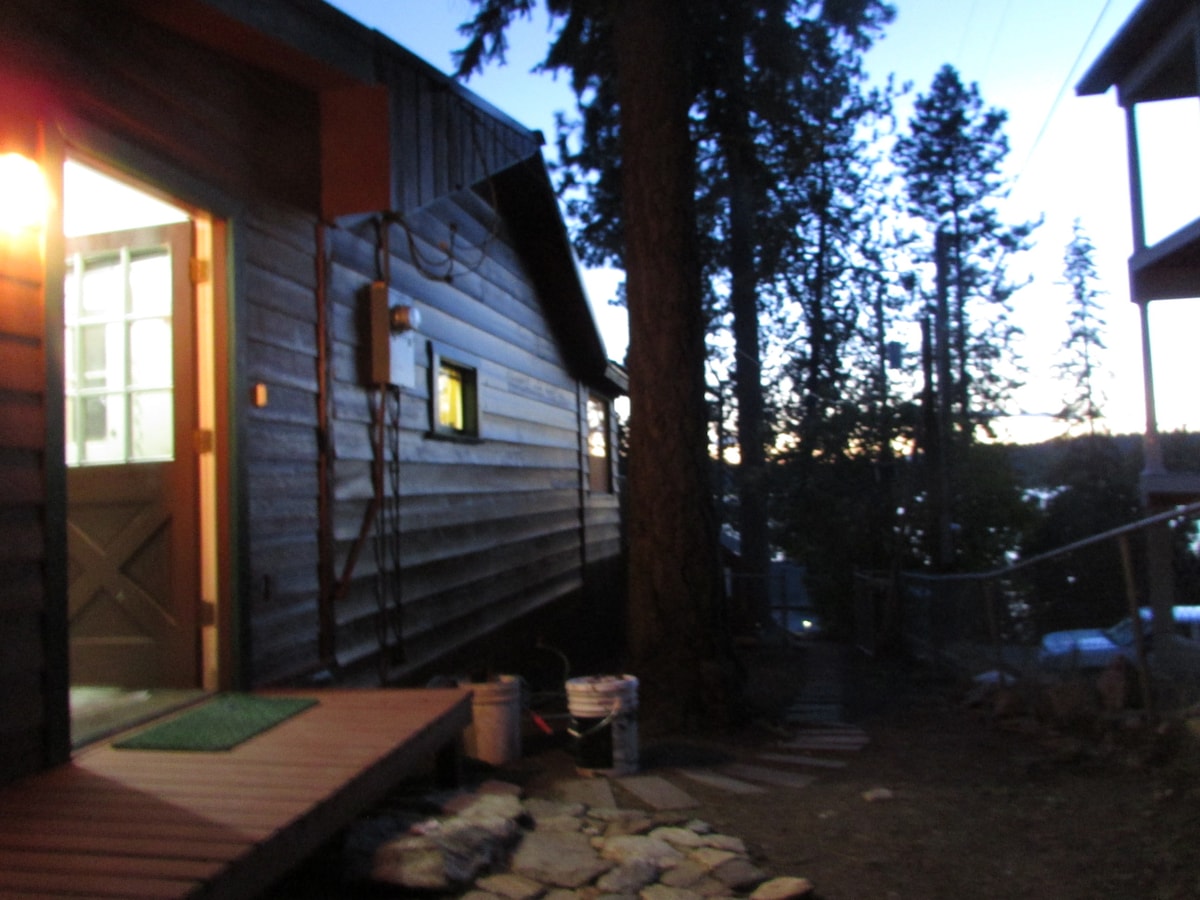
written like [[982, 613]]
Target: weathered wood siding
[[491, 529], [279, 458], [442, 142], [32, 655]]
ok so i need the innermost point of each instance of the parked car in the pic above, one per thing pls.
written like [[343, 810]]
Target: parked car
[[1095, 648]]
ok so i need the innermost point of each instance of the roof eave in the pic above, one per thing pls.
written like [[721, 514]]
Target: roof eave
[[1128, 46]]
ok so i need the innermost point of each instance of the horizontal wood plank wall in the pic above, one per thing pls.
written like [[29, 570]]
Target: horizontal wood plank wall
[[25, 554], [22, 511], [280, 443], [490, 530]]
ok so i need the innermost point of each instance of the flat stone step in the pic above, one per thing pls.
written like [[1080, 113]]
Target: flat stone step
[[850, 745], [592, 792], [844, 737], [824, 733], [769, 775], [811, 712], [722, 782], [792, 759], [657, 792]]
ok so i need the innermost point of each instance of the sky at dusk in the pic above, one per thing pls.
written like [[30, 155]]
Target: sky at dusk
[[1066, 161]]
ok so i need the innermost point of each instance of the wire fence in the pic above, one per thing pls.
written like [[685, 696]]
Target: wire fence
[[1053, 616]]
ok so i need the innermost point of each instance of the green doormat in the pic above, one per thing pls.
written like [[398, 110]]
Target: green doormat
[[220, 724]]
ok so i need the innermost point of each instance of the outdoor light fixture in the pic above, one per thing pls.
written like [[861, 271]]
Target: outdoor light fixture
[[404, 318], [24, 194]]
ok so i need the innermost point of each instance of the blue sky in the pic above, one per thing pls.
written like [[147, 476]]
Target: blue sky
[[1067, 158]]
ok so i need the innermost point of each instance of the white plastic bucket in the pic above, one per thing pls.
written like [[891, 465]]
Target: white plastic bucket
[[495, 733], [604, 724]]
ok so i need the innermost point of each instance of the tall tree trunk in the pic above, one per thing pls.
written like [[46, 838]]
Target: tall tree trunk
[[677, 641], [743, 275], [941, 491], [818, 317]]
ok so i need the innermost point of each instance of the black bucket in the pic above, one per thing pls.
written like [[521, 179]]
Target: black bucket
[[591, 743], [604, 724]]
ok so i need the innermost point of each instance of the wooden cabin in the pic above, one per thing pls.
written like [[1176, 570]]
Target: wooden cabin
[[1154, 64], [298, 380]]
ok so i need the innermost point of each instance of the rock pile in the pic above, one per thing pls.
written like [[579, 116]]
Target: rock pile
[[490, 844]]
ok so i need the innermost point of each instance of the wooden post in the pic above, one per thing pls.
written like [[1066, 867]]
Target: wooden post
[[1138, 636], [989, 599]]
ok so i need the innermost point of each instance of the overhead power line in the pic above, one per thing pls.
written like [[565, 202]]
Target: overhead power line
[[1070, 77]]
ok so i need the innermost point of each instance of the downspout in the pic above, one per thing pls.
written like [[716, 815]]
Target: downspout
[[326, 618], [338, 586]]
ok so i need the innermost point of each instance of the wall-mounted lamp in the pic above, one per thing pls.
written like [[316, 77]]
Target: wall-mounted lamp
[[404, 318], [24, 194]]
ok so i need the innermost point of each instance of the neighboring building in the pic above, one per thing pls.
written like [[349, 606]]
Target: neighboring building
[[273, 470], [1154, 63]]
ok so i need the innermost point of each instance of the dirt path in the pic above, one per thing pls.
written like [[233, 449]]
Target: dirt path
[[977, 809]]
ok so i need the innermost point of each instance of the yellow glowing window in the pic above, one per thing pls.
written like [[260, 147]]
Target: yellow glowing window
[[457, 405], [599, 460]]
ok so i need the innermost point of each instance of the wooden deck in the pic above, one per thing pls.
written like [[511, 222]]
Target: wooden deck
[[140, 823]]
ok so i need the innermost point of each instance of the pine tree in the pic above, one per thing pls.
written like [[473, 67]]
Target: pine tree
[[1085, 341], [951, 161], [642, 54]]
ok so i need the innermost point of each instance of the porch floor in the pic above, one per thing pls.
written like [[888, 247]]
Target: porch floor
[[142, 823]]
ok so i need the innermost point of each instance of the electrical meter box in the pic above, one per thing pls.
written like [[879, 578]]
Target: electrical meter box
[[393, 339]]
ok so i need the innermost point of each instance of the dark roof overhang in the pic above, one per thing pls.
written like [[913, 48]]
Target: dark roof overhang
[[1152, 57]]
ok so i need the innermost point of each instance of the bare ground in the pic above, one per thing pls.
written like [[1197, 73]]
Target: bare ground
[[980, 806]]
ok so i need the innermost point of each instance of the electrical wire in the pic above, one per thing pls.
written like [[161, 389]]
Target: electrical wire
[[1061, 93], [444, 268], [962, 42], [996, 34]]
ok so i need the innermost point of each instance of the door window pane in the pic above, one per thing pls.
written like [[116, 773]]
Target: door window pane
[[153, 425], [150, 353], [148, 272], [103, 290], [95, 360], [103, 429]]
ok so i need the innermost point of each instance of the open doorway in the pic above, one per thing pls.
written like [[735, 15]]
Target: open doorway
[[140, 491]]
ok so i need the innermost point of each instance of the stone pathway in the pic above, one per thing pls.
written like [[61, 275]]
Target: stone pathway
[[491, 844], [822, 696], [573, 840], [598, 838]]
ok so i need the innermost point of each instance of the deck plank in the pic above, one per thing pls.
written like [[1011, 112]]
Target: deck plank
[[109, 864], [160, 847], [149, 824]]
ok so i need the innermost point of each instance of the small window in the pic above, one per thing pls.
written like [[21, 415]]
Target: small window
[[454, 398], [599, 460]]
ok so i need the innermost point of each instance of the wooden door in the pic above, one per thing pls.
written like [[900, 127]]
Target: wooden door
[[133, 576]]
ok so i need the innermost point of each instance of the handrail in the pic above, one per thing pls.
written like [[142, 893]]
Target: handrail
[[1189, 509]]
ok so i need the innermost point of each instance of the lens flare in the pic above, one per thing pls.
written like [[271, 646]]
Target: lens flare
[[24, 194]]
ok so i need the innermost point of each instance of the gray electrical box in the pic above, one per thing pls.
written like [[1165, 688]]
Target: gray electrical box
[[393, 342]]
